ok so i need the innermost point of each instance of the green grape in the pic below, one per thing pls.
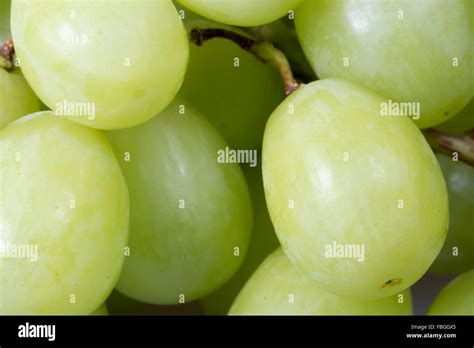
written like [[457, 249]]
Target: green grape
[[16, 97], [63, 217], [460, 240], [191, 216], [263, 242], [4, 20], [357, 200], [236, 99], [462, 122], [418, 53], [101, 311], [456, 298], [278, 287], [104, 64], [241, 12]]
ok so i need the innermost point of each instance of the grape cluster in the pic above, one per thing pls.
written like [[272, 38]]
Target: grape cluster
[[136, 156]]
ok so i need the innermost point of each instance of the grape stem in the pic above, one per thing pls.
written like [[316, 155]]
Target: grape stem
[[263, 50], [6, 55], [451, 144]]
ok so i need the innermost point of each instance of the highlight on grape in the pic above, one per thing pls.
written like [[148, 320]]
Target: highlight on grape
[[238, 157]]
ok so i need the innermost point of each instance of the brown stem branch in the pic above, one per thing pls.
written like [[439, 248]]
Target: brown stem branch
[[199, 36], [450, 144], [7, 51], [263, 50]]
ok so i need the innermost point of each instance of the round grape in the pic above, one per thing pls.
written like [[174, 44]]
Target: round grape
[[63, 217], [105, 64], [357, 200]]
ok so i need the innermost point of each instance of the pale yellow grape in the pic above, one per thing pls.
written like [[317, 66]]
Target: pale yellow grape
[[337, 174], [409, 51], [112, 64], [242, 12], [101, 311], [16, 97], [263, 242], [456, 298], [191, 216], [278, 287], [64, 199]]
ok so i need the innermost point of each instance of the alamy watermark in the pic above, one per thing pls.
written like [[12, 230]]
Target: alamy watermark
[[393, 108], [18, 251], [345, 251], [228, 155], [28, 330], [69, 108]]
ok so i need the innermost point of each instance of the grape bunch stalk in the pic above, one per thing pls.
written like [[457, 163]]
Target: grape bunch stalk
[[241, 157]]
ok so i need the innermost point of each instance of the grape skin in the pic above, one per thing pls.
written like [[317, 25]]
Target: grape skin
[[241, 12], [460, 181], [16, 97], [263, 242], [353, 201], [402, 50], [188, 212], [62, 190], [456, 298], [126, 59], [279, 288]]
